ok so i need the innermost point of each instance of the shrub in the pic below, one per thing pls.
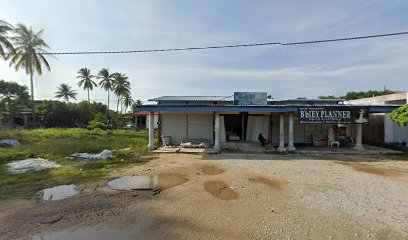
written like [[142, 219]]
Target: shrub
[[99, 122]]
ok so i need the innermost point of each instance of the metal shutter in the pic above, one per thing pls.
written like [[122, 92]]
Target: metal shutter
[[200, 127], [175, 126]]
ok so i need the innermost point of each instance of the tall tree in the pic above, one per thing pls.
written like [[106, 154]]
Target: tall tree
[[6, 48], [127, 101], [106, 83], [136, 103], [30, 50], [65, 92], [85, 76], [121, 87]]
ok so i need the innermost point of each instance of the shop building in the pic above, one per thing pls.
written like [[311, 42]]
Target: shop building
[[285, 124]]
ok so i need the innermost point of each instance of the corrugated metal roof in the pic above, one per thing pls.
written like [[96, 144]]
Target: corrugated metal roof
[[255, 108], [311, 100], [194, 98], [231, 99]]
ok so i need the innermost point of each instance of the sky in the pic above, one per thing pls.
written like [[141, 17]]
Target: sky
[[282, 71]]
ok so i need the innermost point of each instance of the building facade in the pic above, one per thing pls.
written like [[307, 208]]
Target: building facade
[[381, 129], [244, 116]]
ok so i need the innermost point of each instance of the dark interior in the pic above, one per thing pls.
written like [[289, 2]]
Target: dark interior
[[234, 127]]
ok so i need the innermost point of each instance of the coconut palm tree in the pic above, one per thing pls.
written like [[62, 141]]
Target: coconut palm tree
[[30, 51], [6, 48], [86, 80], [127, 101], [65, 92], [121, 87], [106, 83]]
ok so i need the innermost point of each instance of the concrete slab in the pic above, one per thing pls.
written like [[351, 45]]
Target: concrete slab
[[247, 147], [180, 150], [327, 150], [256, 148]]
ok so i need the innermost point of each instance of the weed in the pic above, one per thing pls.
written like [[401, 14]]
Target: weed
[[55, 144]]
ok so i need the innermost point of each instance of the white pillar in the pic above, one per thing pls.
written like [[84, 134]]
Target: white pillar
[[359, 136], [151, 131], [290, 146], [281, 147], [217, 131]]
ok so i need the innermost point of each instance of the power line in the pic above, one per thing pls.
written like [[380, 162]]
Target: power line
[[228, 46]]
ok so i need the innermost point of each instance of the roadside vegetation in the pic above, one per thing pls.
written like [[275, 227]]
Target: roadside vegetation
[[356, 95], [55, 144]]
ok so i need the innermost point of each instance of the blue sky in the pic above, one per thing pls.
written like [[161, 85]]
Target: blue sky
[[282, 71]]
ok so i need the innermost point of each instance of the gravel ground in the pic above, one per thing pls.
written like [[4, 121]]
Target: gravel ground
[[232, 196]]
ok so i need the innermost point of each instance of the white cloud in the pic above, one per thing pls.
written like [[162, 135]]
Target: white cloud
[[307, 70]]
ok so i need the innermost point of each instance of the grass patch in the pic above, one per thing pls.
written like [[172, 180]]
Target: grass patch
[[56, 144]]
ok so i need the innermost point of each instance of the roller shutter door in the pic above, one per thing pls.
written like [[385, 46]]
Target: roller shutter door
[[200, 127], [174, 126]]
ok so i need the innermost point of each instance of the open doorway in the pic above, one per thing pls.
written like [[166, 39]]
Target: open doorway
[[235, 126]]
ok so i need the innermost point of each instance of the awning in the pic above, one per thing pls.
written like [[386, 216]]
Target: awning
[[255, 108]]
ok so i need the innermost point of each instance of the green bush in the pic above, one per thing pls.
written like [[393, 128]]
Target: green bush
[[99, 122], [61, 114], [400, 115]]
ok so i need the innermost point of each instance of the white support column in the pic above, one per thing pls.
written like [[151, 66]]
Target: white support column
[[281, 147], [217, 131], [359, 136], [151, 131], [290, 146]]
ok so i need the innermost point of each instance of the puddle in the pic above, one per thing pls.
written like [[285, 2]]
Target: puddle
[[212, 170], [161, 181], [373, 169], [59, 192], [220, 190], [92, 234], [276, 184]]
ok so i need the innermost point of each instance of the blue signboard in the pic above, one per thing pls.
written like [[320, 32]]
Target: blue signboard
[[250, 98]]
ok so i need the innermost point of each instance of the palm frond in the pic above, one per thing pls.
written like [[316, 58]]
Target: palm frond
[[28, 48]]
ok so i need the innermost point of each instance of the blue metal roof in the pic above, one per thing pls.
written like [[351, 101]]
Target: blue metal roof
[[312, 100], [194, 99], [231, 99], [255, 108]]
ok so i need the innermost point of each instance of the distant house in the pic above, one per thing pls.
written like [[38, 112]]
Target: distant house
[[24, 119], [142, 120]]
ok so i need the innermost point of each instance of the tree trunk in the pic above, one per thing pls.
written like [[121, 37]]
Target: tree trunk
[[117, 111], [107, 112], [32, 93], [89, 100], [117, 107], [121, 106]]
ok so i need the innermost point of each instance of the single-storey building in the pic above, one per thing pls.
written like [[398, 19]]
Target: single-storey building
[[245, 115], [380, 128]]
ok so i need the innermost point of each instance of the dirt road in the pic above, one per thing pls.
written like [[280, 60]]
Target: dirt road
[[230, 196]]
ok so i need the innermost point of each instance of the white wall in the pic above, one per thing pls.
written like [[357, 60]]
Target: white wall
[[393, 133], [257, 125]]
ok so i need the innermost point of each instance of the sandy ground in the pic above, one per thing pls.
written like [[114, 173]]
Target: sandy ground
[[231, 196]]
